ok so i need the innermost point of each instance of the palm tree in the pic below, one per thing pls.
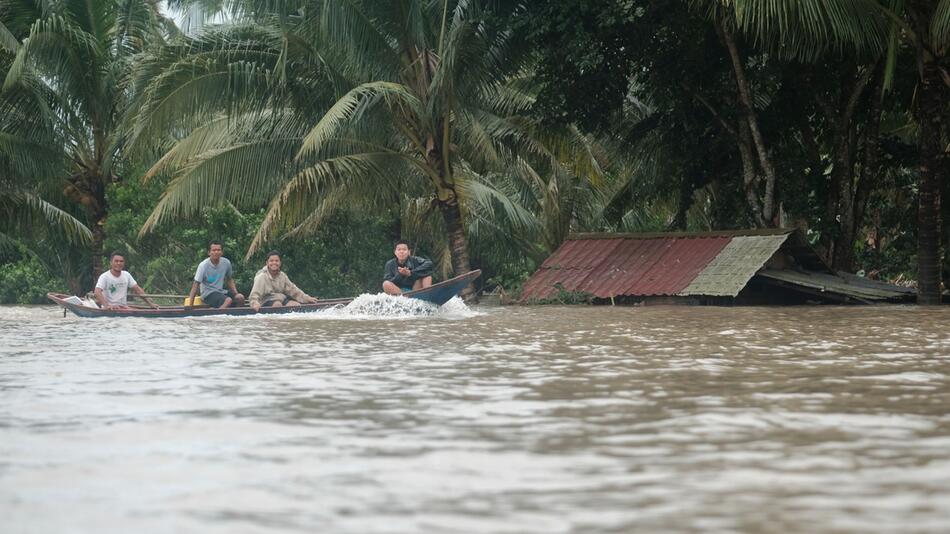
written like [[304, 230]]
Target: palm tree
[[27, 162], [75, 57], [929, 30], [380, 103], [805, 31], [428, 76]]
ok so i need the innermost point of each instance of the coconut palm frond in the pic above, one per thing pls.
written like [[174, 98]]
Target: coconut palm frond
[[422, 224], [328, 204], [63, 49], [806, 30], [220, 133], [24, 212], [27, 158], [307, 190], [477, 140], [940, 28], [246, 173], [136, 27], [7, 40], [349, 106], [357, 33], [186, 95], [478, 193]]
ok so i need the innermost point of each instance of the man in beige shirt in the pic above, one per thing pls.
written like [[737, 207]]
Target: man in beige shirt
[[273, 288]]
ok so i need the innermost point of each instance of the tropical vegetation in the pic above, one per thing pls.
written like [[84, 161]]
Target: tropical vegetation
[[484, 131]]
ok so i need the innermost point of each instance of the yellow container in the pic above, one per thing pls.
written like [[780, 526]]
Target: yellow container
[[197, 301]]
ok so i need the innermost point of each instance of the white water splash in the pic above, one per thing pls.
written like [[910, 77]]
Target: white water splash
[[456, 308], [383, 306]]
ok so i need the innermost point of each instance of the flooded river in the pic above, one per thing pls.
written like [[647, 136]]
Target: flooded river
[[380, 418]]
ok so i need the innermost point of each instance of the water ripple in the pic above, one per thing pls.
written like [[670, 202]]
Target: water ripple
[[394, 416]]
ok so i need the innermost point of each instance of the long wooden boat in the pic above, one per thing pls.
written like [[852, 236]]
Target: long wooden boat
[[437, 294]]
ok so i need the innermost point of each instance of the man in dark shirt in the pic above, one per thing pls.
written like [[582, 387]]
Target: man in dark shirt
[[406, 272]]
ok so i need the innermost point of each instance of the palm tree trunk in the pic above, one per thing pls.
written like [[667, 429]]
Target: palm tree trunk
[[748, 113], [98, 238], [749, 176], [395, 225], [685, 202], [458, 242], [931, 99], [843, 250], [99, 212], [930, 108], [447, 201], [89, 190]]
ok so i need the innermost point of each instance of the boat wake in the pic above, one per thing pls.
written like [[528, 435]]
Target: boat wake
[[382, 306]]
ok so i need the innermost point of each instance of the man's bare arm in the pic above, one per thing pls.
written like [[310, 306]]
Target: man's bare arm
[[141, 292], [232, 286], [101, 298], [191, 295]]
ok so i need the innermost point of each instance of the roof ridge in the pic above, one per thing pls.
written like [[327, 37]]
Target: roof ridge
[[680, 235]]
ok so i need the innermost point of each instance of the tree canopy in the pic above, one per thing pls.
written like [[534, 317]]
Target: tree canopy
[[486, 131]]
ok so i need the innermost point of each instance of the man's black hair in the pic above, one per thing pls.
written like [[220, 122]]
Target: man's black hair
[[116, 253], [213, 243], [271, 253], [403, 242]]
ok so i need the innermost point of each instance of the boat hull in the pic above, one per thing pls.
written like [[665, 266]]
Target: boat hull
[[437, 294]]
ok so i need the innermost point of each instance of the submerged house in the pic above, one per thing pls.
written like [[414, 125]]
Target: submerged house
[[770, 266]]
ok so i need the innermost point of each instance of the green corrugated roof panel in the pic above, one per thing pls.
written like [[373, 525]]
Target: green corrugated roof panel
[[735, 265], [849, 285]]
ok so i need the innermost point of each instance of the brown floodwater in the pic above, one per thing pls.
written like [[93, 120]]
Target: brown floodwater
[[383, 417]]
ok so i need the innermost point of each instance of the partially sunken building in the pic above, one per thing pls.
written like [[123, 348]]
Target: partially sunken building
[[773, 266]]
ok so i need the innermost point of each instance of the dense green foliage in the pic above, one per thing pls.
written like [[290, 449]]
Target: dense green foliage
[[810, 119], [485, 131], [25, 280], [345, 257]]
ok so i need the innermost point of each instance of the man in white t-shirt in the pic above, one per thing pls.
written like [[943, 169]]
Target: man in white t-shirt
[[113, 286]]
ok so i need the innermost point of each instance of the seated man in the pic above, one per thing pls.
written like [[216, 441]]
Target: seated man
[[406, 272], [211, 276], [113, 286], [273, 288]]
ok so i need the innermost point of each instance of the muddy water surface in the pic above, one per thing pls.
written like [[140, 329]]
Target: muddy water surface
[[387, 418]]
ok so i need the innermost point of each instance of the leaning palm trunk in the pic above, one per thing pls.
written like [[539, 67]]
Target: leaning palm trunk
[[458, 242], [448, 202], [764, 210]]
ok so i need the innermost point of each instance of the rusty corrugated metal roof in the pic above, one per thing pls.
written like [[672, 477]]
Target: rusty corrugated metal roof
[[652, 266], [610, 265], [568, 267], [697, 264], [678, 235]]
